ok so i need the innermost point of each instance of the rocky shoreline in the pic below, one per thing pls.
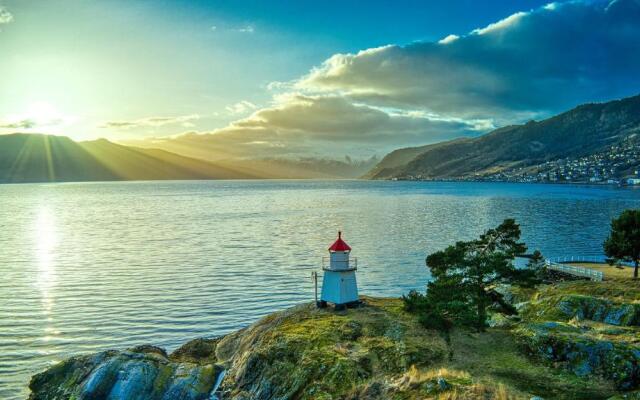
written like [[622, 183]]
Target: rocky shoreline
[[569, 340]]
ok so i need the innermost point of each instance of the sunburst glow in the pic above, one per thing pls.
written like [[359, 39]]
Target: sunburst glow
[[39, 116], [43, 113]]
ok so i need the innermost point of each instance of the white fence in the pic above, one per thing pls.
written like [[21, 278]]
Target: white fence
[[587, 259], [594, 275]]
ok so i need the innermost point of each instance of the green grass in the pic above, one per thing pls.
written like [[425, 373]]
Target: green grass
[[610, 272], [495, 357], [614, 290], [323, 354], [563, 345]]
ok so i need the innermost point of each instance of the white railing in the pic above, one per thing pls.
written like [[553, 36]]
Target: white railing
[[586, 259], [340, 265], [594, 275]]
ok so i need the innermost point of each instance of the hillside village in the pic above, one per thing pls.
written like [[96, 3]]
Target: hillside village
[[617, 165]]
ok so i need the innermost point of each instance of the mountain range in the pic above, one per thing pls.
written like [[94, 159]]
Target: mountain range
[[584, 130], [49, 158]]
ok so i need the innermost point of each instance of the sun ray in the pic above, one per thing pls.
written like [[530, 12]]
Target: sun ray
[[19, 159], [49, 159]]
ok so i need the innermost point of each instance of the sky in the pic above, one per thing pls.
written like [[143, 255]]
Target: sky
[[296, 78]]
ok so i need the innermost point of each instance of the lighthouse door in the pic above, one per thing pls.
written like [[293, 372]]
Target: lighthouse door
[[348, 288]]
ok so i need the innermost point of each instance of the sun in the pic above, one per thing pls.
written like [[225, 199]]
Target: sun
[[40, 117], [42, 113], [39, 114]]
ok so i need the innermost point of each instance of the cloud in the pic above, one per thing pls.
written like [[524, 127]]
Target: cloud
[[246, 29], [531, 63], [501, 25], [241, 107], [449, 39], [5, 16], [223, 27], [335, 118], [38, 115], [183, 120], [22, 124], [299, 124]]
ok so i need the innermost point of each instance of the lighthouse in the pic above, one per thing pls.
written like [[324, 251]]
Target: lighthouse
[[339, 281]]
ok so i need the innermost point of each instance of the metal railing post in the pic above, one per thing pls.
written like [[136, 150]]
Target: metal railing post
[[314, 276]]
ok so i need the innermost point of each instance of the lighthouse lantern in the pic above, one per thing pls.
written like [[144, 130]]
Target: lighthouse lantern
[[339, 284]]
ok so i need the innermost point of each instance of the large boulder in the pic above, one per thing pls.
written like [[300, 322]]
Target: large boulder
[[144, 373]]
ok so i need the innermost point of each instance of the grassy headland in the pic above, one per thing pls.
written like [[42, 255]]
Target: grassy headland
[[570, 340]]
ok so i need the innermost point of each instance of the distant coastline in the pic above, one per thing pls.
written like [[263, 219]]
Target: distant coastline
[[462, 180], [451, 180]]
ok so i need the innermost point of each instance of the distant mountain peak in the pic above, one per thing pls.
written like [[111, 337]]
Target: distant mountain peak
[[583, 130]]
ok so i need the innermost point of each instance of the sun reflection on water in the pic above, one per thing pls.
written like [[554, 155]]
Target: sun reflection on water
[[46, 241]]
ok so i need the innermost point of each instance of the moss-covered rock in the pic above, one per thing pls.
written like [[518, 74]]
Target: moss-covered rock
[[635, 395], [62, 381], [310, 353], [199, 351], [437, 383], [143, 372], [585, 351], [378, 351], [567, 306]]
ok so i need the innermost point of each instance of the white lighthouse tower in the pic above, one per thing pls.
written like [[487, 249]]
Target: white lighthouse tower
[[339, 281]]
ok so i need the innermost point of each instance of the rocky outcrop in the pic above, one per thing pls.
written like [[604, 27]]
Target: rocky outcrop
[[379, 351], [145, 372], [310, 353], [586, 350], [586, 334], [627, 396], [300, 353], [568, 306]]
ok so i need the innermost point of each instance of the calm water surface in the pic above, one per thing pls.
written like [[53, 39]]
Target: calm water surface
[[91, 266]]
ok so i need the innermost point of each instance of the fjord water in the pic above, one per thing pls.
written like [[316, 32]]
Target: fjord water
[[92, 266]]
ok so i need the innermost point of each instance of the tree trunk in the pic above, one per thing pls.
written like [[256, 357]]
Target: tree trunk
[[482, 312], [479, 324]]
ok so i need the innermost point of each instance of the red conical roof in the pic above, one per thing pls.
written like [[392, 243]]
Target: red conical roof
[[339, 245]]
